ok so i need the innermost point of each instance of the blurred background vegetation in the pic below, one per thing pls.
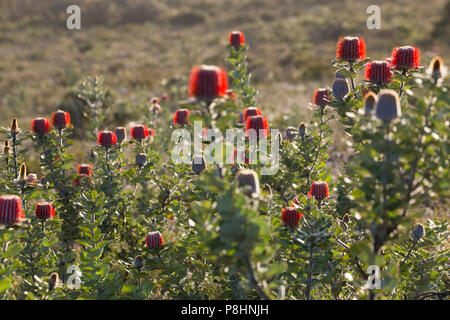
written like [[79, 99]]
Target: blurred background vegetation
[[145, 48]]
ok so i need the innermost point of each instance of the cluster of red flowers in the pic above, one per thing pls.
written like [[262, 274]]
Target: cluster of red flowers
[[41, 126], [11, 210]]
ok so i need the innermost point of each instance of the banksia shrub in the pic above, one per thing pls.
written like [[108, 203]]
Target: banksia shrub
[[369, 102], [154, 240], [290, 216], [437, 69], [236, 38], [247, 177], [340, 88], [378, 72], [106, 138], [208, 82], [250, 112], [40, 126], [351, 49], [319, 190], [321, 97], [84, 168], [44, 210], [121, 134], [388, 106], [139, 132], [181, 116], [257, 123], [406, 57], [198, 163], [11, 209], [60, 119]]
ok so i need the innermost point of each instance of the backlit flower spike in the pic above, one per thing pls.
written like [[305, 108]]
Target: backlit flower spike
[[208, 82], [60, 119], [257, 123], [106, 138], [11, 209], [181, 116], [154, 240], [44, 210], [351, 49], [139, 132], [319, 190], [40, 126], [290, 216], [321, 97], [378, 72], [250, 112], [388, 105], [406, 57], [236, 38]]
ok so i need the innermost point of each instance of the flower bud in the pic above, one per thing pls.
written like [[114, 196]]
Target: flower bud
[[346, 218], [181, 116], [40, 126], [370, 101], [11, 209], [388, 106], [340, 88], [236, 39], [85, 168], [338, 75], [378, 72], [437, 69], [198, 163], [141, 159], [154, 240], [121, 134], [301, 129], [44, 210], [32, 179], [291, 133], [246, 177], [60, 119], [208, 82], [14, 125], [290, 216], [6, 147], [139, 132], [23, 172], [268, 190], [319, 190], [138, 262], [106, 138], [351, 49], [418, 232], [53, 281], [321, 97], [406, 57]]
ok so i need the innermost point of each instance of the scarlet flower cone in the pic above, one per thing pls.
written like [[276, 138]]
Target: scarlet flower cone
[[378, 72], [11, 209], [44, 210], [257, 123], [208, 82], [154, 240], [236, 39], [181, 116], [40, 126], [85, 169], [351, 49], [250, 112], [290, 216], [106, 138], [60, 119], [319, 190], [139, 132], [406, 57], [320, 97]]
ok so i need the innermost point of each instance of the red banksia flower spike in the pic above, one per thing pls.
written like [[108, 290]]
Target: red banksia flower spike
[[257, 123], [250, 112], [208, 82], [351, 49], [84, 168], [60, 119], [236, 39], [139, 132], [154, 240], [106, 138], [181, 116], [321, 97], [11, 209], [121, 134], [319, 190], [378, 72], [44, 210], [290, 216], [388, 106], [40, 126], [406, 57], [370, 101]]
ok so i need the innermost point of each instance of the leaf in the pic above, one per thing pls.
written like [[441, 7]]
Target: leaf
[[13, 250], [5, 284]]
